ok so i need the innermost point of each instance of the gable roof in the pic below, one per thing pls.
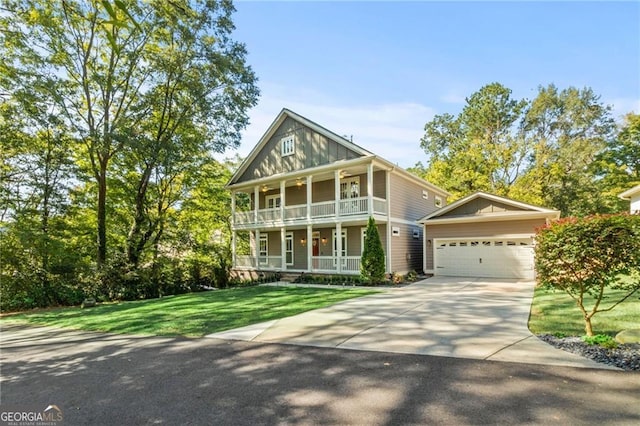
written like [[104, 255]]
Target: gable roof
[[365, 154], [626, 195], [523, 210], [284, 113]]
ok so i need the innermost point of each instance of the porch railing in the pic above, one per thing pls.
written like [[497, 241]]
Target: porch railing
[[324, 209], [295, 212], [264, 262], [348, 207], [349, 264]]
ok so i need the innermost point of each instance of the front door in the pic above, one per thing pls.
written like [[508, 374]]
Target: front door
[[316, 246]]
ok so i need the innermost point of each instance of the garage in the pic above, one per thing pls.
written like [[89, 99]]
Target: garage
[[501, 258], [483, 235]]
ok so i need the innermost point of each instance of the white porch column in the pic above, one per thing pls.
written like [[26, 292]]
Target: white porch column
[[283, 248], [336, 178], [233, 249], [309, 196], [257, 252], [388, 197], [233, 208], [256, 203], [370, 188], [309, 247], [339, 246], [282, 199]]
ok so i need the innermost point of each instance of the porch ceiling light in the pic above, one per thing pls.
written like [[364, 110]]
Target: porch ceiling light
[[265, 188], [299, 182]]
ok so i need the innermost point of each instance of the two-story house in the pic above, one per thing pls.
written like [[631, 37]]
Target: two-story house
[[308, 194]]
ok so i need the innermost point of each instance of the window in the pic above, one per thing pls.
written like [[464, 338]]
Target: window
[[287, 145], [272, 201], [425, 195], [438, 201], [263, 248], [343, 252], [463, 243], [349, 188], [288, 248]]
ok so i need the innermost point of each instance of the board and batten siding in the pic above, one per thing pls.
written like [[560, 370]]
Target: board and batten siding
[[406, 251], [311, 150], [482, 206], [491, 229]]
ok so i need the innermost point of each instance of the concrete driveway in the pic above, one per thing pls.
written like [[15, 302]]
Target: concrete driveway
[[445, 316]]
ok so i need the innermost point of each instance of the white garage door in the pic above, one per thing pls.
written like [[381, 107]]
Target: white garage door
[[498, 258]]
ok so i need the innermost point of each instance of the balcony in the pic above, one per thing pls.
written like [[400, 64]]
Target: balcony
[[302, 212]]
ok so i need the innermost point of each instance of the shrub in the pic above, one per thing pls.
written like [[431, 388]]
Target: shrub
[[603, 340]]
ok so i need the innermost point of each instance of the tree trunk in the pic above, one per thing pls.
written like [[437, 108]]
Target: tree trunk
[[102, 215], [587, 326]]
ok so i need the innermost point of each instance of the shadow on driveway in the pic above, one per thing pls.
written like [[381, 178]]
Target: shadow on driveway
[[110, 379]]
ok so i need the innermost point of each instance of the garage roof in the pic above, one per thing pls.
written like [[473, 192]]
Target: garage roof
[[472, 209]]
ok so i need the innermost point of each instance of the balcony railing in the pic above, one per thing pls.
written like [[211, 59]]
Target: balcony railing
[[325, 209]]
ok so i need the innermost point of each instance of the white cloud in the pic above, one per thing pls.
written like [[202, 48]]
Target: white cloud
[[390, 130]]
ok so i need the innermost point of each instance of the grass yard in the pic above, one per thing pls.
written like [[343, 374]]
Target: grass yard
[[554, 312], [195, 314]]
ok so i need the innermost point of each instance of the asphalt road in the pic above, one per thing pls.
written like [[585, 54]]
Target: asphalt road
[[100, 379]]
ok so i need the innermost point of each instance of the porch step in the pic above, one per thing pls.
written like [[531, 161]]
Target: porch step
[[288, 277]]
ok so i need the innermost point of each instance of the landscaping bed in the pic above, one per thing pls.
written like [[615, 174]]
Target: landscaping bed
[[626, 357]]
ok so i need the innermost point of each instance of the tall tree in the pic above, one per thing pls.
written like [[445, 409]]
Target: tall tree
[[480, 149], [568, 129], [129, 74], [618, 166]]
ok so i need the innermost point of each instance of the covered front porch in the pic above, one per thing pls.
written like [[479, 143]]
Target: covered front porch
[[310, 249]]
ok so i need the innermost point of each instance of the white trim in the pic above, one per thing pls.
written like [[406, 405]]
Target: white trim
[[289, 238], [282, 116], [529, 207], [494, 217], [626, 195], [263, 237], [273, 197], [288, 145]]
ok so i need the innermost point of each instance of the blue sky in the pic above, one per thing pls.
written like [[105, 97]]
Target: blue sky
[[380, 70]]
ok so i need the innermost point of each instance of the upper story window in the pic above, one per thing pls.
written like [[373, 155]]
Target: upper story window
[[349, 187], [287, 145], [272, 201]]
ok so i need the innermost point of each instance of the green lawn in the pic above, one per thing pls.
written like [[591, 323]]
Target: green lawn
[[555, 312], [193, 315]]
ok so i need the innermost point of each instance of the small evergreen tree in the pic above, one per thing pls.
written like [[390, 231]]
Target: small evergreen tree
[[372, 265]]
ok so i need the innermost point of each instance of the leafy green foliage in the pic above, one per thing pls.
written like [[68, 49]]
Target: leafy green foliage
[[372, 266], [542, 151], [588, 256], [603, 340]]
